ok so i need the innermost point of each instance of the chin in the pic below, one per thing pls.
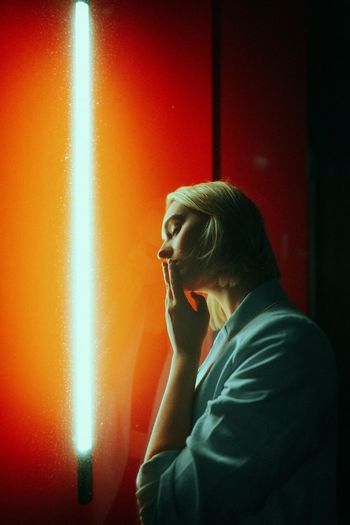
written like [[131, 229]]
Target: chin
[[192, 285], [188, 285]]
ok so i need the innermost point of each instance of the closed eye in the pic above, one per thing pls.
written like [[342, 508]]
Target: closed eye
[[176, 229], [173, 229]]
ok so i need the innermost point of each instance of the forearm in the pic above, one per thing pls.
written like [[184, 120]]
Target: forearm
[[173, 422]]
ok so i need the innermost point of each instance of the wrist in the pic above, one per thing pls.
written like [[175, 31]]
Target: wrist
[[186, 367], [182, 357]]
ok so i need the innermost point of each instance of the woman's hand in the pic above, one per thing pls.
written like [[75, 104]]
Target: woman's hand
[[187, 327]]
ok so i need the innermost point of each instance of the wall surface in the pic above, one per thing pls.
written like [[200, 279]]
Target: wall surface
[[153, 119], [263, 68]]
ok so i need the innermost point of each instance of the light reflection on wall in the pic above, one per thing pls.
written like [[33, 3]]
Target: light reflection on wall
[[148, 66]]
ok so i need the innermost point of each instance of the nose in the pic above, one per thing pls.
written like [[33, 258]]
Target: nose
[[165, 252]]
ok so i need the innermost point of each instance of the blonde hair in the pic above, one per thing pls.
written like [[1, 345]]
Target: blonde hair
[[233, 246]]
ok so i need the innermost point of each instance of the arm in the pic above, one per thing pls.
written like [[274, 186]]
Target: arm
[[173, 422], [186, 328]]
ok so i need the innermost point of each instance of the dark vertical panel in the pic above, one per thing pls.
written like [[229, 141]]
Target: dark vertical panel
[[329, 175], [216, 84]]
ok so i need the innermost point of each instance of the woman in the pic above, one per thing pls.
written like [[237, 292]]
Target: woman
[[249, 438]]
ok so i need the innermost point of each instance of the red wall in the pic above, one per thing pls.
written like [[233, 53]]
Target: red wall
[[153, 133], [264, 124]]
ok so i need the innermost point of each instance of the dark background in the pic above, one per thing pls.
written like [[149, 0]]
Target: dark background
[[329, 198]]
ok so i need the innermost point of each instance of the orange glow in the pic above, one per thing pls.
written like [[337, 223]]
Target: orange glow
[[146, 146]]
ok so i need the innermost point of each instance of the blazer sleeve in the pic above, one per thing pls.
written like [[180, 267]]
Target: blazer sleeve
[[267, 420]]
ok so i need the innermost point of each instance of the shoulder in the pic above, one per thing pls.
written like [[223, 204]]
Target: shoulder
[[288, 341], [285, 324]]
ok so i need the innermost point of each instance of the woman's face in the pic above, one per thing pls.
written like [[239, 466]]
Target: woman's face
[[180, 232]]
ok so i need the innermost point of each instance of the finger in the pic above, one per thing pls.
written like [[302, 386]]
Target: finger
[[167, 280], [165, 274], [175, 282]]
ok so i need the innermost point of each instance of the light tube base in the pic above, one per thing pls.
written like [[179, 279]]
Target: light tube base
[[85, 478]]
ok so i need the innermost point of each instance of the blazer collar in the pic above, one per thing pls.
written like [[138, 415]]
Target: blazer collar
[[261, 298]]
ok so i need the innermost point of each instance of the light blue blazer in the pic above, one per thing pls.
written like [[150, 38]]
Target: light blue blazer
[[262, 449]]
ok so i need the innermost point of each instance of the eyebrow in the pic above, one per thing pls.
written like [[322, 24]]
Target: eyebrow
[[172, 218]]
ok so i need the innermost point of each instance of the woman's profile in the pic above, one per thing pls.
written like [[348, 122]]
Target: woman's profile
[[248, 437]]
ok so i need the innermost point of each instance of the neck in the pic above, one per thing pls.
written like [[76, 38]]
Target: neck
[[230, 297]]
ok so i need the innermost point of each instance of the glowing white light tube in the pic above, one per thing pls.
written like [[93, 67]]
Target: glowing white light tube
[[82, 269]]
